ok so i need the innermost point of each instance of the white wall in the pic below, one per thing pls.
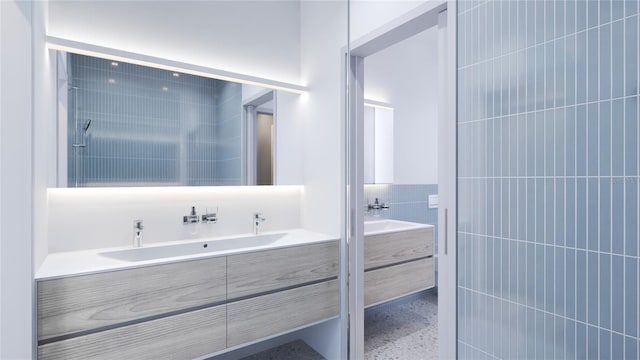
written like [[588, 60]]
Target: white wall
[[45, 124], [323, 36], [368, 15], [405, 76], [259, 38], [15, 189], [90, 218]]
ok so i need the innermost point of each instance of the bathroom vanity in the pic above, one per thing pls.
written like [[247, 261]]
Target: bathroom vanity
[[398, 259], [95, 304]]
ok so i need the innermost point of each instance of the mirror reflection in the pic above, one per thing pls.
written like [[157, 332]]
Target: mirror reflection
[[378, 143], [134, 125]]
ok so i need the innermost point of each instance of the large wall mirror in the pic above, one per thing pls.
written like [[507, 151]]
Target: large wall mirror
[[123, 124]]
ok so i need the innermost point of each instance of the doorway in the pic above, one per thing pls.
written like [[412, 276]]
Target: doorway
[[437, 16]]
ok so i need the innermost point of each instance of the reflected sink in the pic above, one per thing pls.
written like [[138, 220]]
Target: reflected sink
[[192, 248], [384, 226]]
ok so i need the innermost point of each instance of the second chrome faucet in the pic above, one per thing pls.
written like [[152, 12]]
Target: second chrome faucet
[[257, 219]]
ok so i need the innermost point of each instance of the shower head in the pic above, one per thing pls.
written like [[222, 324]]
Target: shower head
[[86, 126]]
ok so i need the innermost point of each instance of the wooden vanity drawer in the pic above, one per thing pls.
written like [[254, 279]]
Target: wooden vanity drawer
[[257, 272], [266, 315], [391, 248], [184, 336], [79, 303], [393, 281]]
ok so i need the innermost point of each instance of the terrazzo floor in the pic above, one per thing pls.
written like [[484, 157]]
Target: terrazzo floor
[[405, 329]]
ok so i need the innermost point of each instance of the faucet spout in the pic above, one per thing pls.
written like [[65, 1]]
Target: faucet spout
[[257, 219], [137, 233]]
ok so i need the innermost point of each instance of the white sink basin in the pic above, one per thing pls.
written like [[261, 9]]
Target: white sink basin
[[192, 248], [387, 226]]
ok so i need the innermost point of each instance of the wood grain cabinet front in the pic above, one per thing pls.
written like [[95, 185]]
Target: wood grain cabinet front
[[184, 336], [264, 271], [387, 249], [394, 281], [88, 302], [266, 315]]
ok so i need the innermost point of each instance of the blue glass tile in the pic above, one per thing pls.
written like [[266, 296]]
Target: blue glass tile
[[539, 276], [631, 56], [560, 92], [570, 138], [570, 280], [617, 294], [592, 13], [540, 70], [617, 216], [549, 278], [570, 212], [581, 341], [593, 270], [630, 348], [549, 223], [630, 7], [570, 348], [540, 339], [559, 281], [592, 139], [581, 140], [592, 214], [581, 66], [549, 76], [605, 344], [549, 326], [581, 15], [570, 16], [631, 218], [631, 136], [605, 215], [605, 138], [539, 217], [617, 9], [605, 62], [605, 11], [531, 210], [631, 296], [581, 213], [617, 56], [605, 291], [571, 68], [617, 346], [592, 342], [592, 63]]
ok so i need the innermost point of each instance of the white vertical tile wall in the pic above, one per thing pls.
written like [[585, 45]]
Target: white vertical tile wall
[[548, 179]]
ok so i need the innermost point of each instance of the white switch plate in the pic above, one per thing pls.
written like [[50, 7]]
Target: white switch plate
[[433, 201]]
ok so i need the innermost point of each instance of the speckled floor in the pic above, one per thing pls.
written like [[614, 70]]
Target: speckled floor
[[404, 330], [295, 350]]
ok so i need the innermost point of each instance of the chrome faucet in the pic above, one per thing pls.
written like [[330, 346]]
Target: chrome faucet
[[137, 233], [210, 218], [191, 218], [257, 219], [377, 205]]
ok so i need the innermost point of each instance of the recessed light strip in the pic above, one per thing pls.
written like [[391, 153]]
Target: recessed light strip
[[115, 55]]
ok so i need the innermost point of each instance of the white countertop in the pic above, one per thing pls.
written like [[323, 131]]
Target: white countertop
[[63, 264], [386, 226]]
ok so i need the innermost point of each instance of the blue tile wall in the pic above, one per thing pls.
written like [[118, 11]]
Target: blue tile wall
[[149, 127], [548, 179]]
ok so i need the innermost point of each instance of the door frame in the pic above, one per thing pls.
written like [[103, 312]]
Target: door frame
[[432, 13]]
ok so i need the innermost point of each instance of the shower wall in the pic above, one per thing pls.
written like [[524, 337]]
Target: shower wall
[[151, 126], [548, 179]]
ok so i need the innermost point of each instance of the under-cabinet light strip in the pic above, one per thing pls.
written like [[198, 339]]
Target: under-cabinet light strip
[[76, 47]]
